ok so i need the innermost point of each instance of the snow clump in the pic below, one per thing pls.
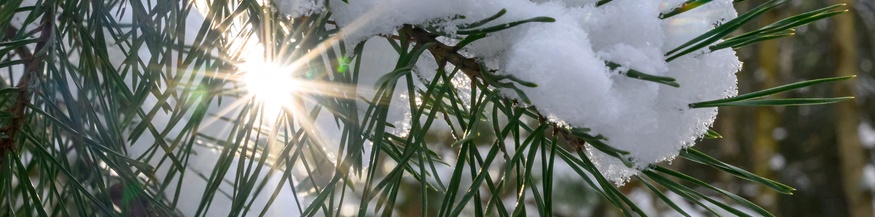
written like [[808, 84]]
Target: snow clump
[[567, 60]]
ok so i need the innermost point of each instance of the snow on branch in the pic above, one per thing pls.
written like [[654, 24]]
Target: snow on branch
[[599, 67]]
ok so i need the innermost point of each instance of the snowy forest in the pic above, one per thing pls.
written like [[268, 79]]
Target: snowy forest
[[437, 108]]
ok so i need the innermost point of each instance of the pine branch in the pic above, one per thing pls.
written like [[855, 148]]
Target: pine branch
[[443, 52], [471, 68], [32, 62]]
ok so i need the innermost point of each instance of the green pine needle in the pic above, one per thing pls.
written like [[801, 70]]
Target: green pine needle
[[711, 134], [501, 27], [781, 28], [686, 6], [632, 73], [701, 158], [745, 99], [723, 30]]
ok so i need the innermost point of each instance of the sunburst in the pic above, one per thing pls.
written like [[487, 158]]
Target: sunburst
[[271, 84], [282, 81]]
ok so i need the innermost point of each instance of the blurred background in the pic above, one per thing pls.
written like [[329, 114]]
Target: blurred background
[[825, 152]]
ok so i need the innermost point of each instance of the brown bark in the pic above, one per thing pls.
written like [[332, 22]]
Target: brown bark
[[32, 65]]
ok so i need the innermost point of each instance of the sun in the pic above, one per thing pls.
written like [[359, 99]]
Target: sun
[[273, 85]]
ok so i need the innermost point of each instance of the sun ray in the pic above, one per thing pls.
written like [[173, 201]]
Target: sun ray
[[276, 78]]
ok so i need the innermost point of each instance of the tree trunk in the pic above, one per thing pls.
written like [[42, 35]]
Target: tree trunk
[[851, 154], [766, 118]]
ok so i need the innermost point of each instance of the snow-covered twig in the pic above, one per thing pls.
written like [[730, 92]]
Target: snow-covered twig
[[471, 67]]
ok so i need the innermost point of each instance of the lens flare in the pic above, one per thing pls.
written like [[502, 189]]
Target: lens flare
[[273, 85]]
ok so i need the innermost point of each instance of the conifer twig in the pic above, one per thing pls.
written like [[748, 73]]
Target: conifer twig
[[471, 68], [443, 52], [31, 68]]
